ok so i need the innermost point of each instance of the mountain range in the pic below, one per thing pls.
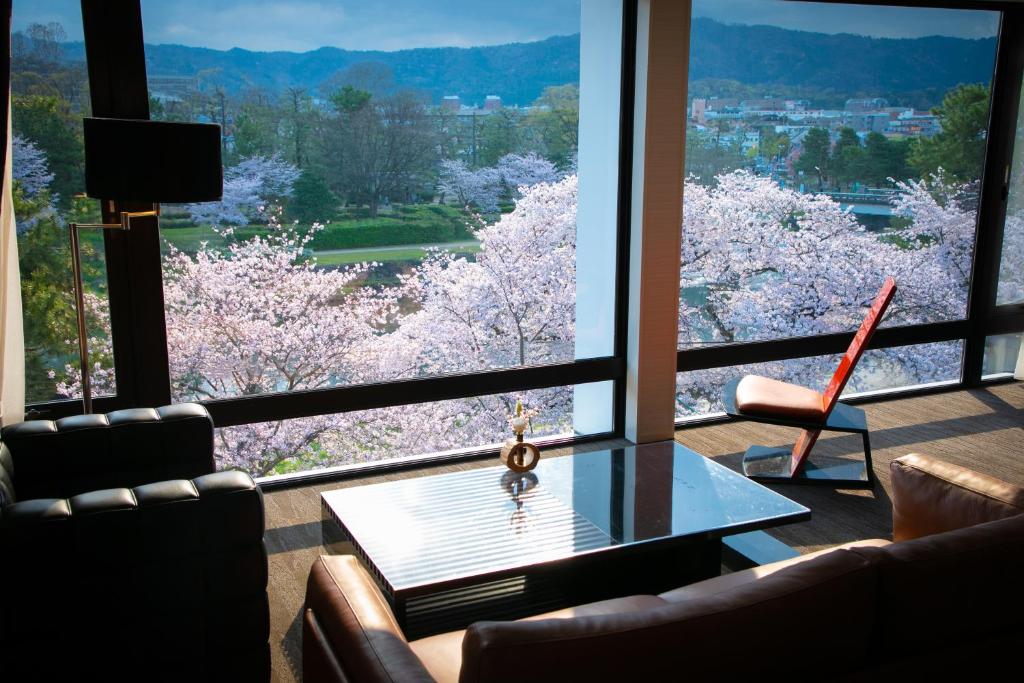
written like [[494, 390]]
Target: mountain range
[[750, 60]]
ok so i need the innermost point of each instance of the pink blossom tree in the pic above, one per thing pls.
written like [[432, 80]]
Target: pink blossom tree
[[249, 186], [525, 170], [1011, 266], [101, 354], [260, 318], [32, 177], [485, 187], [513, 305], [759, 262], [480, 188]]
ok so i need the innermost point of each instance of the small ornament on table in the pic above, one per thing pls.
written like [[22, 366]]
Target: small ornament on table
[[519, 455]]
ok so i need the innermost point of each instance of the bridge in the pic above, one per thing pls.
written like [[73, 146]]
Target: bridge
[[873, 202]]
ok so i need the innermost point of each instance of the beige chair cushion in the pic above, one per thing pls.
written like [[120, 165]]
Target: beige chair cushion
[[729, 582], [770, 397], [442, 654]]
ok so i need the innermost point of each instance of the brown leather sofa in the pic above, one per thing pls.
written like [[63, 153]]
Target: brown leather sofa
[[124, 556], [945, 598]]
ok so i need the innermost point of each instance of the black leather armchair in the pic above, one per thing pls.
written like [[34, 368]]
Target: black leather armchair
[[124, 556]]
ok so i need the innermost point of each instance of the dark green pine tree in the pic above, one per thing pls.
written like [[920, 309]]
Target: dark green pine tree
[[311, 199]]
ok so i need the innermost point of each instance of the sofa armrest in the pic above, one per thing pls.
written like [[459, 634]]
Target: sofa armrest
[[930, 496], [125, 448], [6, 477], [349, 631]]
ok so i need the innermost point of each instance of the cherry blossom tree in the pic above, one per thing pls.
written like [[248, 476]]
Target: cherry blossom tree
[[759, 262], [101, 354], [1011, 267], [485, 187], [260, 318], [519, 170], [249, 186], [480, 188], [32, 176], [512, 305]]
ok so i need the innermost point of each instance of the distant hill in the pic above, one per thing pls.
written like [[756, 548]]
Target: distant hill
[[517, 72], [835, 67], [749, 60]]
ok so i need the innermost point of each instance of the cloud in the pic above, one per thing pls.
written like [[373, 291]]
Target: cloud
[[301, 25]]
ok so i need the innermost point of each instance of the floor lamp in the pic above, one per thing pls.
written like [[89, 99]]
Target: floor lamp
[[141, 161]]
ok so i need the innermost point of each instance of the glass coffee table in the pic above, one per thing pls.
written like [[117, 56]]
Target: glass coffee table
[[451, 549]]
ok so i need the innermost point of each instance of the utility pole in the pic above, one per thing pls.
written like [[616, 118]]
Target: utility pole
[[223, 123], [296, 93], [474, 139]]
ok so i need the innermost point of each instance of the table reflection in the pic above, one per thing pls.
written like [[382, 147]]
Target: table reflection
[[518, 485]]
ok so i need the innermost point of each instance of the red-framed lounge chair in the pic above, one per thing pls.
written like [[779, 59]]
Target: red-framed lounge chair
[[767, 400]]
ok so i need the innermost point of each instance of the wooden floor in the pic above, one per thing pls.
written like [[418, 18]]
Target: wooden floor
[[981, 429]]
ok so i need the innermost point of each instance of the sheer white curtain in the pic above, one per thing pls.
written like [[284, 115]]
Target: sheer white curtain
[[12, 343]]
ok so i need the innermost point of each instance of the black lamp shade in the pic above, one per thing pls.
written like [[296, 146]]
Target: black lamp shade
[[152, 161]]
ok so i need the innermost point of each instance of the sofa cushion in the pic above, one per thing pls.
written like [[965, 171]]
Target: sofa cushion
[[949, 588], [442, 654], [697, 639], [728, 582], [930, 496]]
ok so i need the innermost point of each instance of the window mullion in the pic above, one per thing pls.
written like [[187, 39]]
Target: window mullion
[[117, 84], [992, 207]]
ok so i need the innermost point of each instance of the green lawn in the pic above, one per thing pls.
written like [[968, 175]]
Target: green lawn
[[381, 255], [189, 239], [186, 239]]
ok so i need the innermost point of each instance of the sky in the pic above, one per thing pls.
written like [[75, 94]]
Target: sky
[[300, 25]]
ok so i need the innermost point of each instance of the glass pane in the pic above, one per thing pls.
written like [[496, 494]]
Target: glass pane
[[821, 159], [49, 97], [1011, 270], [700, 393], [1003, 355], [287, 446], [399, 202]]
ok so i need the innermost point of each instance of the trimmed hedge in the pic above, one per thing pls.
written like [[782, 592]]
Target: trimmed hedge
[[415, 224], [176, 222]]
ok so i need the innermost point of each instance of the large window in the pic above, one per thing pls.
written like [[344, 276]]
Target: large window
[[1011, 271], [700, 391], [402, 200], [427, 211], [435, 428], [829, 146], [49, 96]]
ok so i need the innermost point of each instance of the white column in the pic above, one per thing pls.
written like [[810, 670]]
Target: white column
[[663, 46], [597, 207], [1018, 372]]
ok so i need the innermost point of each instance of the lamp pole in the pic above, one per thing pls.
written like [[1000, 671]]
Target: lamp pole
[[76, 270]]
